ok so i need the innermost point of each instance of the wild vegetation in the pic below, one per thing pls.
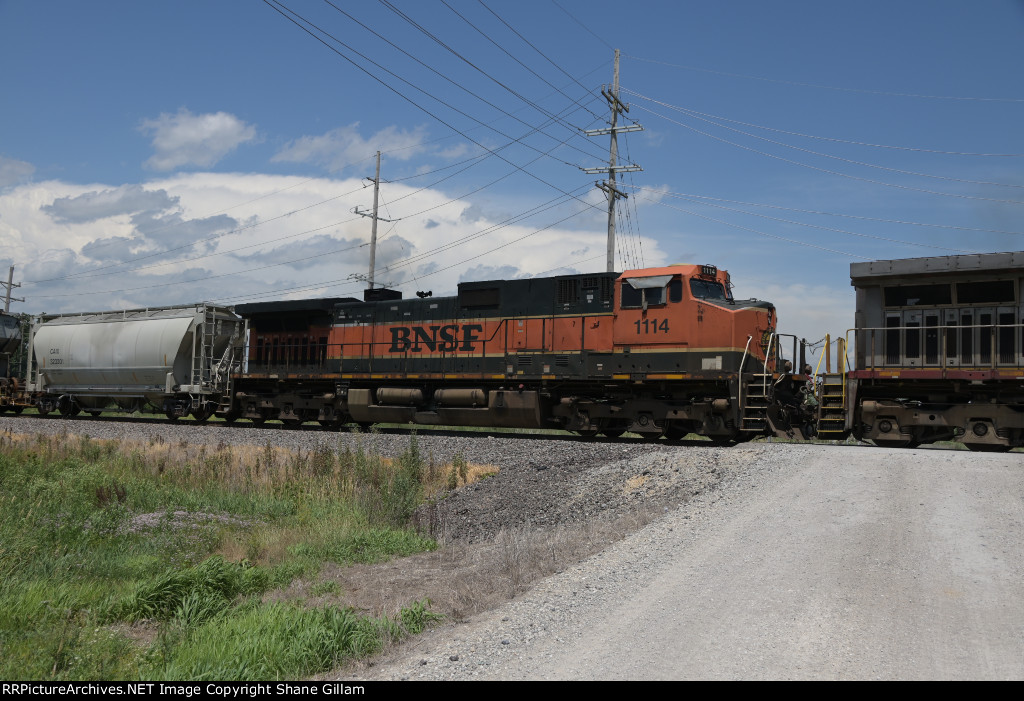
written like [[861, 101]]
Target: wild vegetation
[[156, 561]]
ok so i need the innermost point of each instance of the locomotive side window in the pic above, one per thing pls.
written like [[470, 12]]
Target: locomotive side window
[[675, 290], [991, 292], [918, 295], [644, 291]]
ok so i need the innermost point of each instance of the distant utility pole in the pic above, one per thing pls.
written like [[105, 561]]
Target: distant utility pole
[[608, 185], [10, 285], [373, 229]]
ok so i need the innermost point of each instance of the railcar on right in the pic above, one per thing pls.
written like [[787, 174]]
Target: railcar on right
[[938, 349]]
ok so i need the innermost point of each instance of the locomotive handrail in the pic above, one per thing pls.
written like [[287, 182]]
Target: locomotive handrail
[[942, 356], [746, 348]]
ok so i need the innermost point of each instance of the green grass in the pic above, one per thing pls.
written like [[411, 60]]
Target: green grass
[[129, 561]]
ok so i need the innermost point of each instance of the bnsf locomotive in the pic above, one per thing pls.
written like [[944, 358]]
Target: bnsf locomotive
[[656, 351], [937, 354]]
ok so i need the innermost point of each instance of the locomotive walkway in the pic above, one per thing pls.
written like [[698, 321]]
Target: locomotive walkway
[[817, 562]]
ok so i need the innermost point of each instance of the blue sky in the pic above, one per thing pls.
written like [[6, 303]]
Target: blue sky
[[164, 153]]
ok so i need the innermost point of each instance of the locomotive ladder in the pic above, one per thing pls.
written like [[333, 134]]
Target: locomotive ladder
[[832, 405], [754, 403], [832, 396]]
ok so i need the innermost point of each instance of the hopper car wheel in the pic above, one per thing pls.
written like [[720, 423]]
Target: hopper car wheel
[[230, 418], [171, 416], [202, 414], [44, 412], [17, 409], [364, 426], [589, 433], [259, 421], [94, 414], [291, 423], [651, 437]]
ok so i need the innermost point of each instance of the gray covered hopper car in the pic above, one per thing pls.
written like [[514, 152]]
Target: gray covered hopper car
[[177, 360]]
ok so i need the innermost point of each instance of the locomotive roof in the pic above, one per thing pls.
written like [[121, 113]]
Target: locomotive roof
[[318, 304], [937, 265]]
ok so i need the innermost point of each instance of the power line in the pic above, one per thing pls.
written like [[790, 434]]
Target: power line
[[465, 60], [284, 11], [693, 115], [513, 57], [761, 233], [832, 229], [831, 172], [462, 87], [585, 27], [829, 87], [821, 138], [829, 214]]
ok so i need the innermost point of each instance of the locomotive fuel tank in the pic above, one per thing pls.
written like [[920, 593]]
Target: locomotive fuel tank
[[133, 356]]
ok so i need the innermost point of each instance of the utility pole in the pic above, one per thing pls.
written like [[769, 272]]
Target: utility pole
[[373, 228], [10, 285], [608, 185]]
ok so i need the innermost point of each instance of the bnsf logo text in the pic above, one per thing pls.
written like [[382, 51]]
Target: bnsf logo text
[[434, 338]]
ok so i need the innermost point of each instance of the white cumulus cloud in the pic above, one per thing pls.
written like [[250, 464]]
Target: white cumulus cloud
[[13, 171], [186, 139], [344, 146]]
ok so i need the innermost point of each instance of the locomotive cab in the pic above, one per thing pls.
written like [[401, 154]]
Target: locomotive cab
[[689, 312]]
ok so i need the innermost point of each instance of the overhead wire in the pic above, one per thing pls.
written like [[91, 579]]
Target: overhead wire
[[696, 115], [460, 86], [301, 22], [828, 228], [514, 58], [829, 87], [833, 214], [832, 172], [823, 138]]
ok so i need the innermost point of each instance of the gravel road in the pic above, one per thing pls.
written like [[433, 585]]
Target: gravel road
[[768, 560], [806, 562]]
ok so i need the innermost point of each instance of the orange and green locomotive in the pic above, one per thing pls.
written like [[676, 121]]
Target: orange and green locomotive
[[657, 351]]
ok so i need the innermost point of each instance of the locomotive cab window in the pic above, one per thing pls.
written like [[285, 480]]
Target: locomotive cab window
[[642, 292], [707, 289]]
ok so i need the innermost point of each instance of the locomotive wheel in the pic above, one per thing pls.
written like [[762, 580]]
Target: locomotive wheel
[[898, 443], [675, 433], [988, 448]]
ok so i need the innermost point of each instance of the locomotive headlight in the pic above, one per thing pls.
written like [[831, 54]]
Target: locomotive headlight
[[885, 425]]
